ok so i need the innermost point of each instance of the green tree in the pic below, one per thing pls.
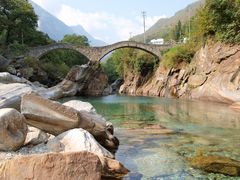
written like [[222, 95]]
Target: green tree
[[221, 19], [129, 59], [57, 63], [178, 31], [17, 20], [76, 39]]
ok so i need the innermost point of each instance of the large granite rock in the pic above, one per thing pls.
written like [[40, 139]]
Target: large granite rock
[[13, 129], [56, 118], [48, 115], [97, 84], [77, 140], [60, 166]]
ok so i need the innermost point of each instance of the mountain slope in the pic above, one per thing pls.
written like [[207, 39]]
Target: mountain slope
[[162, 26], [80, 30], [56, 29]]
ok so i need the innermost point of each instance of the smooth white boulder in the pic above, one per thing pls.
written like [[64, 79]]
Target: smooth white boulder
[[13, 129], [80, 106], [77, 140]]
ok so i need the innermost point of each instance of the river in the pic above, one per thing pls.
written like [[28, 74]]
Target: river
[[205, 127]]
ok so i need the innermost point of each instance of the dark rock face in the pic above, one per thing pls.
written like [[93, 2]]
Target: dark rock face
[[86, 79], [4, 62], [97, 85], [116, 85], [213, 75]]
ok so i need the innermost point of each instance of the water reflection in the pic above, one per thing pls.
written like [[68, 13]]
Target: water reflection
[[206, 113]]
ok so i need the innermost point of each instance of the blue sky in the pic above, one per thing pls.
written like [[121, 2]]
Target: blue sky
[[112, 20]]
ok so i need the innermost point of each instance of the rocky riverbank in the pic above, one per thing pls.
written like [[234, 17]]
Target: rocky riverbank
[[51, 140], [86, 79], [213, 75]]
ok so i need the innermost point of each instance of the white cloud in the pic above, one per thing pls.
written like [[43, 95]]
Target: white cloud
[[89, 21], [41, 3], [104, 25]]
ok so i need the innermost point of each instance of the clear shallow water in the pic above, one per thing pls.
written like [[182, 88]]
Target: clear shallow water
[[211, 128]]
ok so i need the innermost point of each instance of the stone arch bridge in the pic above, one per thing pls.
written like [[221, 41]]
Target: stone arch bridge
[[97, 53]]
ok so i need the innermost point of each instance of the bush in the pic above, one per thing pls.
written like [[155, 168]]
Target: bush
[[17, 49], [56, 71], [178, 54], [145, 63], [110, 67], [31, 62]]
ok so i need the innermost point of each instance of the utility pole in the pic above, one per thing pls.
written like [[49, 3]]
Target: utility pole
[[189, 25], [144, 28], [130, 35]]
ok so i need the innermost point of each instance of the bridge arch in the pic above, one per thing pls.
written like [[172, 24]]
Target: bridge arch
[[39, 52], [97, 53], [113, 48]]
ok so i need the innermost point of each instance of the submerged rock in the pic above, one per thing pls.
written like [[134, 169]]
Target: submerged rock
[[61, 166], [216, 164], [13, 129]]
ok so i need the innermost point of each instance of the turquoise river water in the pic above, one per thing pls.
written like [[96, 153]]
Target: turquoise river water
[[210, 128]]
